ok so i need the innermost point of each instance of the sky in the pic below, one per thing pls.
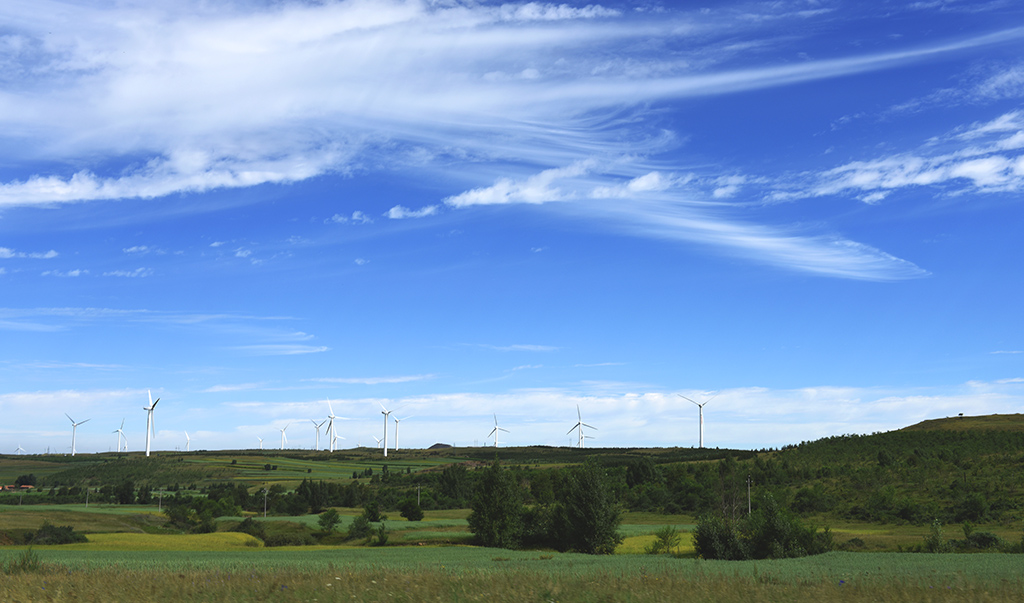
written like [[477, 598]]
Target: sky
[[522, 214]]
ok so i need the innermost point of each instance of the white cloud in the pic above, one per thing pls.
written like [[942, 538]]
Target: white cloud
[[361, 261], [374, 380], [140, 249], [66, 273], [6, 253], [273, 349], [539, 188], [399, 212], [520, 348], [137, 273]]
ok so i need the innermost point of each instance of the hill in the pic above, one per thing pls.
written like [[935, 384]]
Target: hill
[[961, 423]]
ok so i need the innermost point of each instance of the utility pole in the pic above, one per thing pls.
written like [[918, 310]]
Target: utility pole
[[748, 494], [417, 496]]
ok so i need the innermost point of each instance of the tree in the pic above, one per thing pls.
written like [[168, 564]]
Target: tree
[[411, 510], [588, 516], [328, 520], [496, 518]]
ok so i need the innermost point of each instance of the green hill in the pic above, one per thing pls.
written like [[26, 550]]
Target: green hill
[[961, 423]]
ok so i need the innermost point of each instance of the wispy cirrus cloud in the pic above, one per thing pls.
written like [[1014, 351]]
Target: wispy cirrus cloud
[[281, 349], [523, 101], [519, 347], [374, 380], [137, 273]]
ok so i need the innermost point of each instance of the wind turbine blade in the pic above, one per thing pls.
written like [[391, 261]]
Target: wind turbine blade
[[157, 402], [150, 392], [69, 418], [590, 426], [85, 421], [122, 425], [685, 398], [503, 429], [492, 432], [573, 429]]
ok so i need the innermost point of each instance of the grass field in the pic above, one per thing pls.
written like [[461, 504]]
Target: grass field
[[475, 574]]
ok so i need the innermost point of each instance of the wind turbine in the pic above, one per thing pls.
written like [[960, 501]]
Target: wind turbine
[[19, 450], [336, 438], [495, 431], [318, 426], [188, 441], [397, 421], [701, 407], [580, 425], [378, 440], [386, 414], [261, 442], [150, 426], [74, 430], [330, 426], [284, 438], [120, 434]]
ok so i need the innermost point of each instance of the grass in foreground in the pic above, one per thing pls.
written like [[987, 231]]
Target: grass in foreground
[[520, 577]]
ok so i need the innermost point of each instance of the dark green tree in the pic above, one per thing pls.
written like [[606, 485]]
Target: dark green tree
[[588, 515], [496, 518]]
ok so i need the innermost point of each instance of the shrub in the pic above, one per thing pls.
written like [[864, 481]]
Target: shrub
[[51, 534], [360, 528], [289, 540], [328, 520], [933, 542], [411, 510], [666, 540], [372, 511], [587, 517], [252, 527], [382, 535], [770, 532]]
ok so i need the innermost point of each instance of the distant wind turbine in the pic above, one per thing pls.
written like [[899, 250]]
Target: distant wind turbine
[[261, 442], [188, 442], [120, 434], [330, 426], [318, 426], [378, 440], [150, 425], [579, 426], [495, 431], [74, 430], [397, 421], [284, 438], [19, 450], [386, 414], [700, 405]]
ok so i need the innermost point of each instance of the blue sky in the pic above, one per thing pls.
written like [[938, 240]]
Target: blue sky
[[810, 210]]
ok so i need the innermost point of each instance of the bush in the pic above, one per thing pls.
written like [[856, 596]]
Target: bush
[[372, 512], [328, 520], [588, 516], [411, 510], [770, 532], [51, 534], [289, 540], [382, 535], [252, 527], [360, 528], [666, 540]]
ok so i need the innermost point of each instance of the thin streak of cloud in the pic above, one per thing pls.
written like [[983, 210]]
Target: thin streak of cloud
[[374, 380]]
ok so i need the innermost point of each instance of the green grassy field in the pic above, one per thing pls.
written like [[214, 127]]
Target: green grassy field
[[475, 574]]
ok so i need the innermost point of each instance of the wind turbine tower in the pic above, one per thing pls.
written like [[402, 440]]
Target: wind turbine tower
[[386, 413], [397, 421], [150, 426], [188, 442], [74, 430], [120, 434], [261, 442], [579, 426], [700, 405], [330, 426], [318, 426], [495, 431], [284, 438]]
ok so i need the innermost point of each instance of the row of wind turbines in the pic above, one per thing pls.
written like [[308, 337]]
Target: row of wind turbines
[[331, 431]]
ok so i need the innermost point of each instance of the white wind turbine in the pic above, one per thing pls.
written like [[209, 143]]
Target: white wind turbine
[[378, 440], [330, 426], [336, 438], [19, 450], [74, 430], [284, 438], [701, 407], [188, 442], [495, 431], [580, 425], [386, 414], [120, 434], [318, 426], [261, 442], [150, 426], [397, 421]]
